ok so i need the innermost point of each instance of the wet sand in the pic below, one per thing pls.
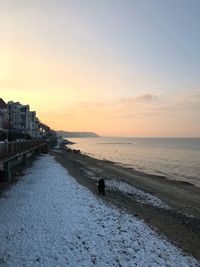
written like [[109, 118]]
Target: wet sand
[[180, 224]]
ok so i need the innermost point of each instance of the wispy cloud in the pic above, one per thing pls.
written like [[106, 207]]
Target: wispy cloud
[[144, 98], [183, 101], [164, 114], [118, 108], [145, 104], [119, 103]]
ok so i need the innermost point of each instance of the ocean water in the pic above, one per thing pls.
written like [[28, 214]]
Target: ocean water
[[174, 158]]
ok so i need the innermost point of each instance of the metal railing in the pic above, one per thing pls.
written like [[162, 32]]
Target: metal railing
[[11, 148]]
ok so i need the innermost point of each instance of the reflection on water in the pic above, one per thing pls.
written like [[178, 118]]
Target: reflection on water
[[176, 158]]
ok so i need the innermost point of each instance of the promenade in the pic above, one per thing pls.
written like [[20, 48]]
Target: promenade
[[15, 153]]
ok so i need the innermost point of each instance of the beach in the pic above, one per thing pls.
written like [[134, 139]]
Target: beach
[[169, 207], [48, 218]]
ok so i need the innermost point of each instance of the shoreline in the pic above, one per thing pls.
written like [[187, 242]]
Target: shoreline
[[178, 219], [147, 174], [167, 174]]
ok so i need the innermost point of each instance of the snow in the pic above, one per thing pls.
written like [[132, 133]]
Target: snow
[[130, 191], [48, 219], [139, 195]]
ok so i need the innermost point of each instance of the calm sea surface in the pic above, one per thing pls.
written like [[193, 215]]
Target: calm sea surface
[[176, 158]]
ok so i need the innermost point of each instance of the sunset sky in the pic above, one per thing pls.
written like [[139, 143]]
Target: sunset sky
[[115, 67]]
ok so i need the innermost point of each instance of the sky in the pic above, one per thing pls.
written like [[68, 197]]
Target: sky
[[114, 67]]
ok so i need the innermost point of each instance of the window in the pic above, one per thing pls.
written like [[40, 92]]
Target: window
[[23, 117]]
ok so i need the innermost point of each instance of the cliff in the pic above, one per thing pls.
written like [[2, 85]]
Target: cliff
[[65, 134]]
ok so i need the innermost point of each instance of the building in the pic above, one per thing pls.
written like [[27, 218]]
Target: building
[[4, 118], [32, 124], [18, 122], [22, 122]]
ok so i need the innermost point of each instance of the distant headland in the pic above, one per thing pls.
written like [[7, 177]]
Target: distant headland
[[65, 134]]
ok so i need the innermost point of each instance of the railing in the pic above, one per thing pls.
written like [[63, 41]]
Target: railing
[[11, 148]]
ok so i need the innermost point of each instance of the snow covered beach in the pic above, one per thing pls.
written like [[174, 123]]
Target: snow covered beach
[[48, 219]]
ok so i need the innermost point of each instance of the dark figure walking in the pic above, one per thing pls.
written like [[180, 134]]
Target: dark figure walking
[[101, 187]]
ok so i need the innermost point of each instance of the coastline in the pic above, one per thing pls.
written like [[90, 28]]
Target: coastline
[[178, 219], [172, 158]]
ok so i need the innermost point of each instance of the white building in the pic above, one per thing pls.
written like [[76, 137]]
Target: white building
[[22, 121]]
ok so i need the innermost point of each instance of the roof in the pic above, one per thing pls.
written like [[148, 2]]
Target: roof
[[2, 104]]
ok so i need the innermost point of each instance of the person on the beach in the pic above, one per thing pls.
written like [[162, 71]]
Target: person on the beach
[[101, 187]]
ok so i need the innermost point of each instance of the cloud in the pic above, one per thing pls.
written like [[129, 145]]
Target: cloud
[[145, 106], [182, 101], [145, 98], [118, 108], [118, 103]]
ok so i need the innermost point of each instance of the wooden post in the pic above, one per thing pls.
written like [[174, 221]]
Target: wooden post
[[11, 147], [38, 151], [7, 172], [6, 148], [25, 159]]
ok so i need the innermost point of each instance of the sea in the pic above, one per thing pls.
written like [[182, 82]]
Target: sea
[[173, 158]]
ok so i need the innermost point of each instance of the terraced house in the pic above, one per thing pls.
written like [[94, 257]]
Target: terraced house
[[22, 121], [17, 121], [3, 120]]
